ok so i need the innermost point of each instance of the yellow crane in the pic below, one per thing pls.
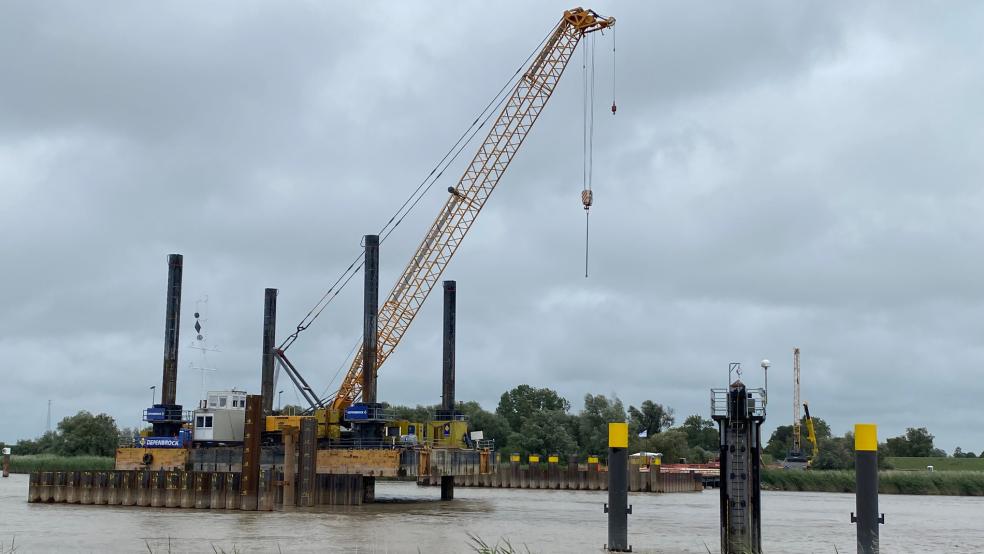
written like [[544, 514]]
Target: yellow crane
[[811, 433], [795, 458], [467, 198]]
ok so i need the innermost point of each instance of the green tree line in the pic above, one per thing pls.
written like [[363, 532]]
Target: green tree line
[[83, 434], [530, 420], [838, 452]]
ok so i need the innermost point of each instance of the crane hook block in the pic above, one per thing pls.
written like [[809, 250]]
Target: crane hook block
[[587, 198], [613, 108]]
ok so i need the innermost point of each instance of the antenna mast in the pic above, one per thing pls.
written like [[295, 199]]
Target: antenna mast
[[201, 341]]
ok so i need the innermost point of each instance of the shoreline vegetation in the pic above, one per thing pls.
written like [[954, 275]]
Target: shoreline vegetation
[[51, 462], [944, 483]]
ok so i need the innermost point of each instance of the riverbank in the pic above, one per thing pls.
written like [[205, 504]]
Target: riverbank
[[48, 462], [950, 483]]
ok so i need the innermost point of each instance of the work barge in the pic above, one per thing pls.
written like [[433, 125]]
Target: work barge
[[261, 459], [300, 461]]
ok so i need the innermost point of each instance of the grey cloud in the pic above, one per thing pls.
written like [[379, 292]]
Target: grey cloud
[[778, 175]]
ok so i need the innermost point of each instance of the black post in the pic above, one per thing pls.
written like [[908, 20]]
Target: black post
[[450, 300], [172, 319], [618, 507], [369, 427], [447, 381], [370, 320], [166, 417], [739, 415], [269, 343], [866, 475]]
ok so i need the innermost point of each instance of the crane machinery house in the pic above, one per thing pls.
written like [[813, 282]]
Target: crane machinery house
[[221, 418]]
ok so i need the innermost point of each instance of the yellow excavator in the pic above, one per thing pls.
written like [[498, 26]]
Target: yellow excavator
[[520, 110], [811, 434]]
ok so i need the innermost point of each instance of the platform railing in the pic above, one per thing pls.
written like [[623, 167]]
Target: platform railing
[[719, 402]]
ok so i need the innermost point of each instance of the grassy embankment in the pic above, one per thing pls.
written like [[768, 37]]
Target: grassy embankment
[[939, 464], [956, 483], [48, 462]]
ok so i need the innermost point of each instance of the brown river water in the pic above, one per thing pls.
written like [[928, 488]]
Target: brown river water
[[408, 518]]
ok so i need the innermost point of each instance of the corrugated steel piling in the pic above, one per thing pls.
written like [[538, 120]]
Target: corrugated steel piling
[[186, 490], [171, 488], [234, 484], [251, 452], [307, 463], [203, 490], [290, 463], [867, 517], [269, 344], [34, 487], [618, 507]]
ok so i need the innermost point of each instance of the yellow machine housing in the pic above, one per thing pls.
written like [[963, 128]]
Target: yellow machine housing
[[402, 427], [447, 434], [328, 423], [277, 423]]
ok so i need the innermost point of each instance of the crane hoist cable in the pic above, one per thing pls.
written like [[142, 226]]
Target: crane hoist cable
[[614, 108], [411, 202], [588, 92]]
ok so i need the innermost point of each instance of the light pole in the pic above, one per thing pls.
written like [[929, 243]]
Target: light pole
[[765, 367], [153, 394], [278, 400]]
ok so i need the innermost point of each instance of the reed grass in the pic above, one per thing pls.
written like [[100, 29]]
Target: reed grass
[[50, 462], [503, 546], [951, 483]]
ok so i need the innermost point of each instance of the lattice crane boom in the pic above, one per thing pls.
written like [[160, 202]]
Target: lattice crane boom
[[468, 197], [797, 441]]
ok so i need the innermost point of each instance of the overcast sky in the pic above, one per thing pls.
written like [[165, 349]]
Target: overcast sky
[[778, 175]]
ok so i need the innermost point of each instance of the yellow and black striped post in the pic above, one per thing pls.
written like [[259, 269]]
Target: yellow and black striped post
[[617, 507], [867, 517]]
